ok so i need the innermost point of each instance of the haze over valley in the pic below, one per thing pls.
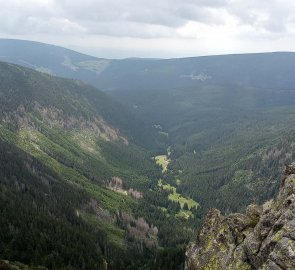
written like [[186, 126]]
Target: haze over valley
[[132, 145]]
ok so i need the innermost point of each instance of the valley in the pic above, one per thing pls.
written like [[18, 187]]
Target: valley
[[123, 177], [79, 170]]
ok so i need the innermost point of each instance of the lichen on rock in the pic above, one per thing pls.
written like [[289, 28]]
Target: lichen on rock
[[261, 238]]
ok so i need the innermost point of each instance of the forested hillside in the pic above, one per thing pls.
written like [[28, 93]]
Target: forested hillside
[[228, 143], [140, 164], [76, 189]]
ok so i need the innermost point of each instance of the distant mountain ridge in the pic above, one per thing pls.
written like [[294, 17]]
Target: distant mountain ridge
[[51, 59], [142, 162], [267, 70]]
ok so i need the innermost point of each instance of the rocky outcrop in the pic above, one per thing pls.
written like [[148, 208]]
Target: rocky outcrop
[[261, 238]]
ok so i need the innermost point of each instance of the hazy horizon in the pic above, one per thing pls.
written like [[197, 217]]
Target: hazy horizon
[[153, 29], [142, 57]]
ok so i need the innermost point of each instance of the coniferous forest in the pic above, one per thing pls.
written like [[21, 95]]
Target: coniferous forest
[[122, 177]]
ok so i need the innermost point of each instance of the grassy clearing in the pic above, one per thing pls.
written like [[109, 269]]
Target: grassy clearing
[[163, 161], [184, 214], [166, 186], [176, 197]]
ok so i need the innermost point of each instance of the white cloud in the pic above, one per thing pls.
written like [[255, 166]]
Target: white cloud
[[151, 27]]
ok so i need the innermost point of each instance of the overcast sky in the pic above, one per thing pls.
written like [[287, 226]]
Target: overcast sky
[[153, 28]]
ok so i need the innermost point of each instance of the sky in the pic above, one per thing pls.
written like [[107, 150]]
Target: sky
[[153, 28]]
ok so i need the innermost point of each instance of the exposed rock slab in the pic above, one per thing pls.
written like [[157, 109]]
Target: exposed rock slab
[[261, 238]]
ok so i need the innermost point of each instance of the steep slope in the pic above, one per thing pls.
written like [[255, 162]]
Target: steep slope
[[76, 191], [233, 111], [59, 143], [38, 219], [261, 238], [224, 128]]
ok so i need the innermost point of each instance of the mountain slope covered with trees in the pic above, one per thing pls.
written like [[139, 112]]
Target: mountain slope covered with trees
[[76, 189], [140, 164]]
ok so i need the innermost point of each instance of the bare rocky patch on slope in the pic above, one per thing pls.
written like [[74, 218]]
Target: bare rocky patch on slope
[[262, 238]]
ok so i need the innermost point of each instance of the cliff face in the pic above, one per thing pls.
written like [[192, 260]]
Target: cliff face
[[261, 238]]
